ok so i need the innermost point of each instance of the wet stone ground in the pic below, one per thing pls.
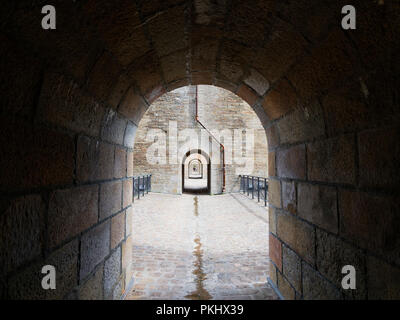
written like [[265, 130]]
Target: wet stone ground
[[200, 247]]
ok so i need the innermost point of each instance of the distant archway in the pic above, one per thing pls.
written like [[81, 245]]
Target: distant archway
[[200, 183]]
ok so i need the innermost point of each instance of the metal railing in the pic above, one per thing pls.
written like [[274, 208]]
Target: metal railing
[[254, 186], [141, 186]]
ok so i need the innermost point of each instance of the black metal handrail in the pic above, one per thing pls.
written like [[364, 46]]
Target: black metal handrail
[[141, 186], [252, 185]]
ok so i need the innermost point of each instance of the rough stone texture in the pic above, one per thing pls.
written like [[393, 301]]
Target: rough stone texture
[[272, 220], [95, 160], [332, 160], [257, 82], [25, 217], [317, 204], [129, 164], [303, 124], [128, 222], [332, 255], [95, 246], [315, 287], [133, 106], [274, 193], [280, 100], [291, 163], [113, 127], [75, 109], [379, 166], [71, 211], [127, 193], [34, 157], [298, 235], [285, 288], [363, 214], [26, 284], [271, 164], [112, 271], [291, 265], [117, 229], [273, 136], [275, 251], [110, 198], [92, 289], [386, 285], [289, 197], [130, 132], [120, 163]]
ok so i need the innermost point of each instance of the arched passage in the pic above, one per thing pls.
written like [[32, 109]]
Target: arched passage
[[203, 173], [327, 98]]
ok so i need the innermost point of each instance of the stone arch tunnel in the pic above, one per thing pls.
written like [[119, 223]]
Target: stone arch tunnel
[[328, 98]]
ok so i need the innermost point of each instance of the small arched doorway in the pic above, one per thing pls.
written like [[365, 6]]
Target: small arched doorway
[[196, 172]]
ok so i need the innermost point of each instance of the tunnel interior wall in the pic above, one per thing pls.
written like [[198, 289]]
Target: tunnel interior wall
[[71, 100]]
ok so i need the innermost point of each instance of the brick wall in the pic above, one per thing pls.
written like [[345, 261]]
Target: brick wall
[[219, 110]]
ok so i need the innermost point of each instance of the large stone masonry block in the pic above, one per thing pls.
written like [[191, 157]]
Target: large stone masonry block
[[316, 287], [127, 193], [70, 212], [332, 160], [247, 94], [112, 271], [292, 162], [103, 76], [280, 100], [133, 106], [317, 204], [92, 289], [285, 288], [303, 124], [130, 132], [272, 136], [298, 235], [289, 198], [379, 154], [332, 255], [274, 193], [110, 198], [120, 163], [95, 246], [371, 222], [62, 102], [95, 160], [117, 229], [127, 252], [129, 164], [275, 251], [291, 266], [21, 229], [129, 221], [27, 284], [271, 164], [383, 280], [113, 127], [34, 157]]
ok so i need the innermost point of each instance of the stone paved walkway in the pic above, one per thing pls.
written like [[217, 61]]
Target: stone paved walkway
[[200, 247]]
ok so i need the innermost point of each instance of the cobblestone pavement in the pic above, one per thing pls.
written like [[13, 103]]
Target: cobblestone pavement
[[200, 247]]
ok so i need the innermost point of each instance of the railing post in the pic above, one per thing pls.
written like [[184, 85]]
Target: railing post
[[258, 189], [138, 188], [133, 189], [265, 192], [150, 183], [248, 193], [252, 187], [143, 186]]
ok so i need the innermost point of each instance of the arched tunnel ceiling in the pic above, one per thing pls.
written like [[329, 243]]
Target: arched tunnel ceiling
[[274, 54]]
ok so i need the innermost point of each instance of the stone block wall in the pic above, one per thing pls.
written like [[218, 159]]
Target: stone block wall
[[218, 110]]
